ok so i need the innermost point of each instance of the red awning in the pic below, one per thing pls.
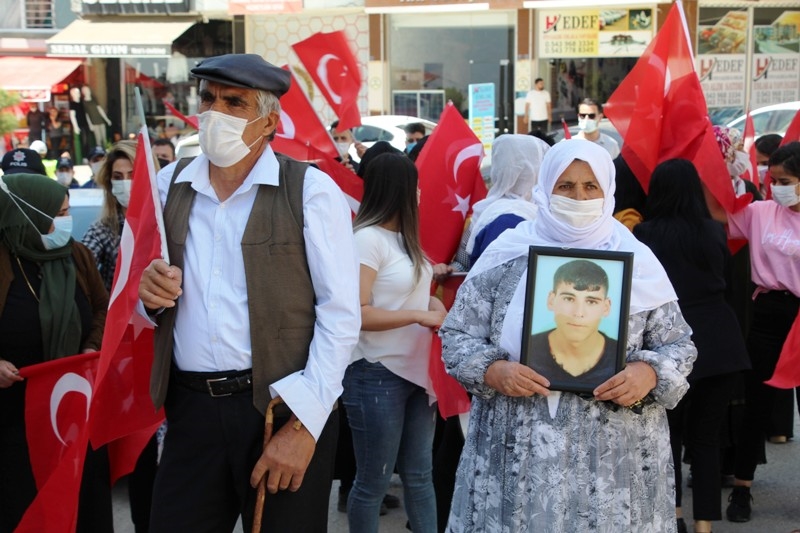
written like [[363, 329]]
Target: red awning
[[34, 73]]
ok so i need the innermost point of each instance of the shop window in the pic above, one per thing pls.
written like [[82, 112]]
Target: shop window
[[445, 53], [38, 14]]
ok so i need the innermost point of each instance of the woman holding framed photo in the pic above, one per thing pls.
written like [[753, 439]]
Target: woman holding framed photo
[[540, 460]]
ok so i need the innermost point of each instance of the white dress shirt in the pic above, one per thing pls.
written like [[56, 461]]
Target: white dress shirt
[[212, 327]]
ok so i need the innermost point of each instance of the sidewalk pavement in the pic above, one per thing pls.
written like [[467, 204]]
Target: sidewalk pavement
[[776, 499]]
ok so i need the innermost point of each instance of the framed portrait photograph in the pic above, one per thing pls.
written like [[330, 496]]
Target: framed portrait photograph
[[576, 315]]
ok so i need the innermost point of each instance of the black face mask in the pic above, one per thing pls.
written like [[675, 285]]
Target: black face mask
[[163, 162]]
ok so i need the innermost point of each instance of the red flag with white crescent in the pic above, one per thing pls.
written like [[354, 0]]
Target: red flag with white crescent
[[299, 122], [332, 65], [122, 408], [450, 182], [58, 396], [660, 111]]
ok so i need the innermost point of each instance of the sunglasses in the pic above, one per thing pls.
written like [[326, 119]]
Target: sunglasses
[[587, 115]]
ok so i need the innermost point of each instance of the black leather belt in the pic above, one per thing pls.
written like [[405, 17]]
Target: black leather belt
[[216, 384]]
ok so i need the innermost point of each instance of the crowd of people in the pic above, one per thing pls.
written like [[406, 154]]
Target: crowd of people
[[273, 291]]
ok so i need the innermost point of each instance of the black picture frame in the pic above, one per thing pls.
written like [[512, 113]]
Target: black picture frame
[[559, 323]]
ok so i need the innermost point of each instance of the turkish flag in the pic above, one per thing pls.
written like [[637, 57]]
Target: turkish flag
[[299, 122], [451, 397], [567, 134], [332, 65], [351, 185], [57, 405], [192, 121], [793, 131], [450, 182], [122, 408], [660, 111], [749, 146], [787, 371]]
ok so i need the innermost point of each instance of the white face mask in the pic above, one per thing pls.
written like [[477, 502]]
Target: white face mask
[[121, 189], [60, 236], [220, 137], [576, 213], [64, 178], [786, 195], [588, 125], [96, 166], [739, 165], [343, 148], [762, 172]]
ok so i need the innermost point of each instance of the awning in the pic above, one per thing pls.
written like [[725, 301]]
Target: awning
[[34, 76], [87, 38]]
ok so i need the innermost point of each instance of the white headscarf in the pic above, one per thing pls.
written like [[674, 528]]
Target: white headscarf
[[651, 287], [515, 170]]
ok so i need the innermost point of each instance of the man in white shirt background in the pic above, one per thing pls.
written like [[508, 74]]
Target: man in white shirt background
[[260, 300], [589, 116], [539, 107]]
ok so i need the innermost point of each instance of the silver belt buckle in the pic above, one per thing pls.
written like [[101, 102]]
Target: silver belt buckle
[[211, 390]]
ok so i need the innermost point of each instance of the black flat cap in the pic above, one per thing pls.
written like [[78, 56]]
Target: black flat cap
[[249, 71]]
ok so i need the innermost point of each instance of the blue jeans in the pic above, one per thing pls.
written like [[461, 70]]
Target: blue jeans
[[391, 422]]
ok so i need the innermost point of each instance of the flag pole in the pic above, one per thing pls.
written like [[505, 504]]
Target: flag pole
[[151, 172]]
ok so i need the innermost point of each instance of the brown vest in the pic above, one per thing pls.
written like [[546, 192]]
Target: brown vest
[[280, 294]]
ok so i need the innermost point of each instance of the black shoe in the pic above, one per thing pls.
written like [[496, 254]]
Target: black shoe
[[682, 526], [739, 508], [391, 501]]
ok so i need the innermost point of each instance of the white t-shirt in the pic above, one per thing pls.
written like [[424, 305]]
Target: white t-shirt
[[606, 141], [537, 100], [403, 350]]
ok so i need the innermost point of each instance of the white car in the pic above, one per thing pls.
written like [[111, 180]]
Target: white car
[[770, 119], [387, 128], [373, 129]]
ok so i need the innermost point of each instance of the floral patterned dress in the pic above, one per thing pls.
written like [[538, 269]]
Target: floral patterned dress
[[593, 466]]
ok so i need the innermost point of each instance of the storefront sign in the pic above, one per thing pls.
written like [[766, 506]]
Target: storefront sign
[[722, 78], [109, 50], [776, 61], [34, 95], [776, 79], [588, 32], [481, 112], [133, 7], [254, 7], [378, 6]]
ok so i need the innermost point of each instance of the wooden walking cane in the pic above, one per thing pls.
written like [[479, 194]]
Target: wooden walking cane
[[262, 485]]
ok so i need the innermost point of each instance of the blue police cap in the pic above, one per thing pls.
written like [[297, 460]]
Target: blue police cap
[[249, 71]]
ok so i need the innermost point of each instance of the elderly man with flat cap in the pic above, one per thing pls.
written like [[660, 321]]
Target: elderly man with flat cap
[[260, 300]]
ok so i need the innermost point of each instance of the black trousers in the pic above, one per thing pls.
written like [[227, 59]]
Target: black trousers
[[203, 480], [773, 315], [696, 421], [140, 486], [539, 125]]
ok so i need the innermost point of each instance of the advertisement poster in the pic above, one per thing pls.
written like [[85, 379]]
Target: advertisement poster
[[481, 113], [623, 32], [776, 58], [721, 59]]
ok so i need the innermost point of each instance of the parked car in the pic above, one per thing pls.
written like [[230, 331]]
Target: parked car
[[387, 128], [769, 119]]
